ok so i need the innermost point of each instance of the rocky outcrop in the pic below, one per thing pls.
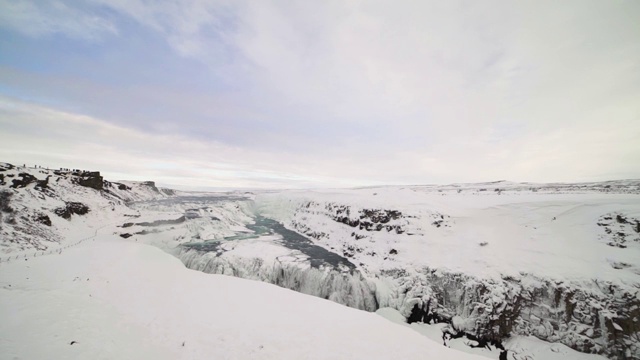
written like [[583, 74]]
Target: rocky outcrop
[[620, 230], [25, 180], [168, 192], [72, 208], [5, 200], [599, 319], [43, 185], [27, 203], [6, 166], [365, 219], [90, 179], [151, 185], [43, 219]]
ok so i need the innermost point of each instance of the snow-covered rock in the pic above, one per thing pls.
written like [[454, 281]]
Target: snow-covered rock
[[38, 206]]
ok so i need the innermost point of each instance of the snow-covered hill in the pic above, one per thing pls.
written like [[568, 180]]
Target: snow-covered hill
[[44, 209]]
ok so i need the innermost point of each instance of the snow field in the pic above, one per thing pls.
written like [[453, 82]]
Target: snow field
[[116, 299]]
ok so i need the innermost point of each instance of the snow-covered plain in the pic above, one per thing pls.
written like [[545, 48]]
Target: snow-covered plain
[[550, 234], [495, 261]]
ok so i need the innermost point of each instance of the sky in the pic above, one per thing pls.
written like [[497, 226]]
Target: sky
[[299, 94]]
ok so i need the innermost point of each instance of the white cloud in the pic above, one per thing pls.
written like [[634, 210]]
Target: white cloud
[[37, 19], [396, 92], [184, 23], [35, 134]]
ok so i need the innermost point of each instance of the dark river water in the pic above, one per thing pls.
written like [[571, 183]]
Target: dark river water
[[318, 256]]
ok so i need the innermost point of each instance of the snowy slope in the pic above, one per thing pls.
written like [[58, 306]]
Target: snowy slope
[[44, 210], [113, 299]]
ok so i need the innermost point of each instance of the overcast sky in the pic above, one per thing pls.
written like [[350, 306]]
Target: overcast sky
[[323, 93]]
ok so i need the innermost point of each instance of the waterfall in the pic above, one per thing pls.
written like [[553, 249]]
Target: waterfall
[[346, 288]]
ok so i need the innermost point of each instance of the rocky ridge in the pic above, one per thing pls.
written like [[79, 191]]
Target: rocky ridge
[[36, 203]]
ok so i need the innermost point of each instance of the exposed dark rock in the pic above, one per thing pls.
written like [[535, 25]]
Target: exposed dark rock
[[617, 244], [380, 216], [150, 184], [369, 219], [163, 222], [5, 199], [417, 315], [44, 219], [91, 179], [427, 314], [169, 192], [548, 311], [155, 231], [26, 180], [345, 220], [393, 251], [619, 230], [619, 265], [42, 184], [123, 187], [126, 225], [126, 235], [72, 208]]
